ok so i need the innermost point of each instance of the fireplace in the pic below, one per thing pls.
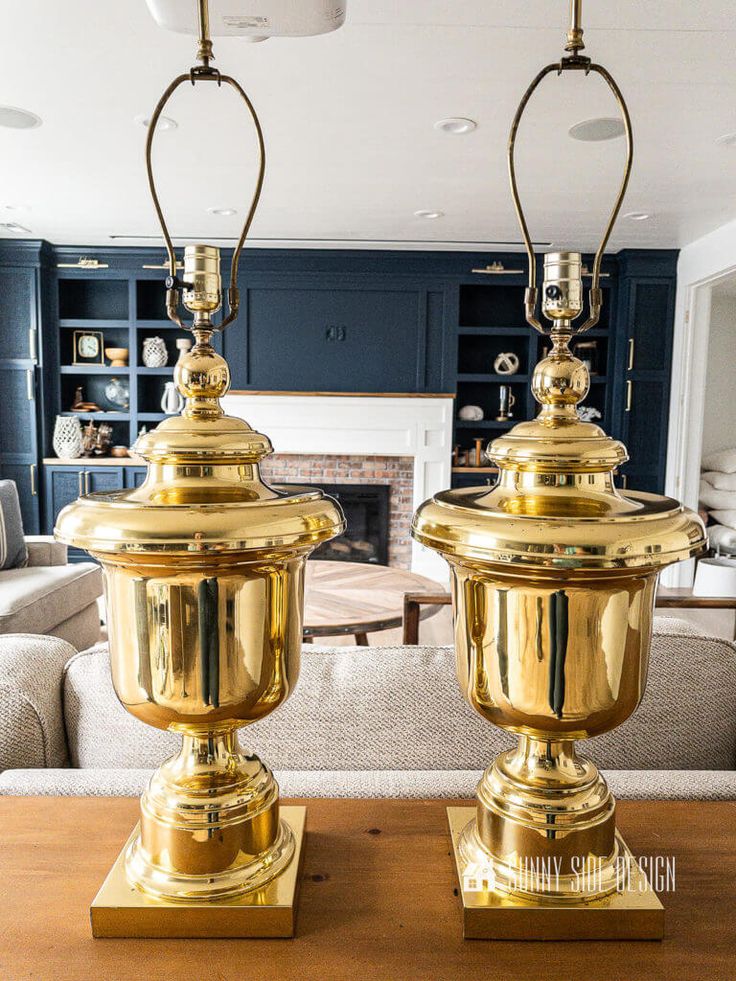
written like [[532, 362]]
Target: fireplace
[[366, 508]]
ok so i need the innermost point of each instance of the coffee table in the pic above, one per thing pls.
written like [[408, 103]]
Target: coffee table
[[378, 901], [358, 598]]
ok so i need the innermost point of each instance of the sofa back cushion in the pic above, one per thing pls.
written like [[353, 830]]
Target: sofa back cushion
[[395, 708], [13, 552]]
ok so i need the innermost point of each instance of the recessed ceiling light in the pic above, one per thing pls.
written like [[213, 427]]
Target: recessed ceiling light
[[164, 122], [597, 130], [637, 215], [222, 212], [429, 215], [18, 118], [456, 125], [14, 228], [728, 139]]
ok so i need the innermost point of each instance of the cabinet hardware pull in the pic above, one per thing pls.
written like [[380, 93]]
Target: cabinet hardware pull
[[86, 482], [624, 481], [80, 481], [29, 384], [32, 468], [629, 388], [32, 344], [630, 362]]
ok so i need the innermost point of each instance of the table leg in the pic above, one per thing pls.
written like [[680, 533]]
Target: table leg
[[361, 639]]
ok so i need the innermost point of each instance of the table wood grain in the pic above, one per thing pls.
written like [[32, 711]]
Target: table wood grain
[[358, 597], [377, 902]]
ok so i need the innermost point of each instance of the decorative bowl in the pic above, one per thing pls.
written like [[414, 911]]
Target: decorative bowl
[[118, 356]]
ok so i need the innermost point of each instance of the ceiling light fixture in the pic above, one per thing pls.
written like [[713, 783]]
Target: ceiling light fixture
[[429, 215], [222, 212], [637, 215], [597, 130], [163, 123], [456, 125], [14, 118]]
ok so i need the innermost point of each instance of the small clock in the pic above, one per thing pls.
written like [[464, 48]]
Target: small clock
[[88, 347]]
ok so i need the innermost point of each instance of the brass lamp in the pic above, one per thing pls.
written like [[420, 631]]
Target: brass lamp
[[204, 580], [553, 577]]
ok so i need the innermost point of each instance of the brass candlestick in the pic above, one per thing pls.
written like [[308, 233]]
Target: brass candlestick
[[553, 578], [204, 578]]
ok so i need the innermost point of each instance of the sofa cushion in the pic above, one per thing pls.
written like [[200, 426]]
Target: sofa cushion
[[31, 722], [400, 708], [35, 599], [13, 552], [421, 784]]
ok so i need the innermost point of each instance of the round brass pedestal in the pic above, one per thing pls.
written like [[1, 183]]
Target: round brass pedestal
[[210, 825]]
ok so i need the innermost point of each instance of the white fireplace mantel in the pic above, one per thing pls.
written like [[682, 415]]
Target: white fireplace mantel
[[351, 425]]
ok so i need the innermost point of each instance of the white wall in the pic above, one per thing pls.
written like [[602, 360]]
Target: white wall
[[702, 264], [719, 415]]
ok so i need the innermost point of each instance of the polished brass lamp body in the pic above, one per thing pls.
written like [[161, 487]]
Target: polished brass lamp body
[[204, 582], [553, 576]]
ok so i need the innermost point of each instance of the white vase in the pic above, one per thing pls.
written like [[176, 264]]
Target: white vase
[[155, 354], [67, 441], [172, 402]]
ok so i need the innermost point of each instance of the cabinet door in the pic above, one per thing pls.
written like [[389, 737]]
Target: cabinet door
[[18, 412], [134, 476], [25, 476], [650, 325], [63, 485], [18, 295], [645, 425], [101, 479]]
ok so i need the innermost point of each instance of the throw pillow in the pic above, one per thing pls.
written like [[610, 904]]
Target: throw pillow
[[713, 498], [721, 481], [13, 551], [723, 460]]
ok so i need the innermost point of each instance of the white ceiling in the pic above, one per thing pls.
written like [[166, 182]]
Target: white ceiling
[[349, 124]]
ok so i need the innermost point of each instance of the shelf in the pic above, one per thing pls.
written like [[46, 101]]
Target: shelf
[[497, 331], [166, 370], [92, 369], [93, 323], [475, 470], [155, 416], [99, 416], [484, 424], [501, 379], [159, 325]]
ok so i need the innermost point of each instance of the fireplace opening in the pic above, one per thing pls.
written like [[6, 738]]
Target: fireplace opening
[[366, 508]]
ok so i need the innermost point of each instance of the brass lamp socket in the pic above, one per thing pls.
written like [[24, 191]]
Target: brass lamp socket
[[562, 290], [203, 287]]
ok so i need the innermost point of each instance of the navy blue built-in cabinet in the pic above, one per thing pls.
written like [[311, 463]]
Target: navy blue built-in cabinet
[[319, 321]]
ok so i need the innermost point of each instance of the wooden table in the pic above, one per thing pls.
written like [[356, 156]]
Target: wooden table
[[358, 598], [377, 902]]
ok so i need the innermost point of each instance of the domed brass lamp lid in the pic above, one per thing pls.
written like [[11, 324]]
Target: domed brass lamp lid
[[203, 491]]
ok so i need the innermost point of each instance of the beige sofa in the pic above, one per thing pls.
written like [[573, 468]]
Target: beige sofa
[[51, 596], [364, 722]]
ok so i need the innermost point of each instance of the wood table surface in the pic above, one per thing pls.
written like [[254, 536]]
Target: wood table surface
[[377, 902], [358, 597]]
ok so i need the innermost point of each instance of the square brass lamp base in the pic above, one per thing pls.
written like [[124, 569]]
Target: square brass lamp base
[[634, 914], [121, 910]]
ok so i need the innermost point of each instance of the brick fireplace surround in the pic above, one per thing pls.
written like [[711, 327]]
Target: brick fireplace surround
[[397, 472]]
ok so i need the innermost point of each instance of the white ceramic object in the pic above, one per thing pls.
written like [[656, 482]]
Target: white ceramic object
[[183, 344], [471, 413], [67, 441], [171, 402], [715, 577], [506, 363], [155, 354]]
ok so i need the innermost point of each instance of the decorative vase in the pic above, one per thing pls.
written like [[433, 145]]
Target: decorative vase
[[155, 354], [183, 344], [67, 441], [118, 393], [171, 401]]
